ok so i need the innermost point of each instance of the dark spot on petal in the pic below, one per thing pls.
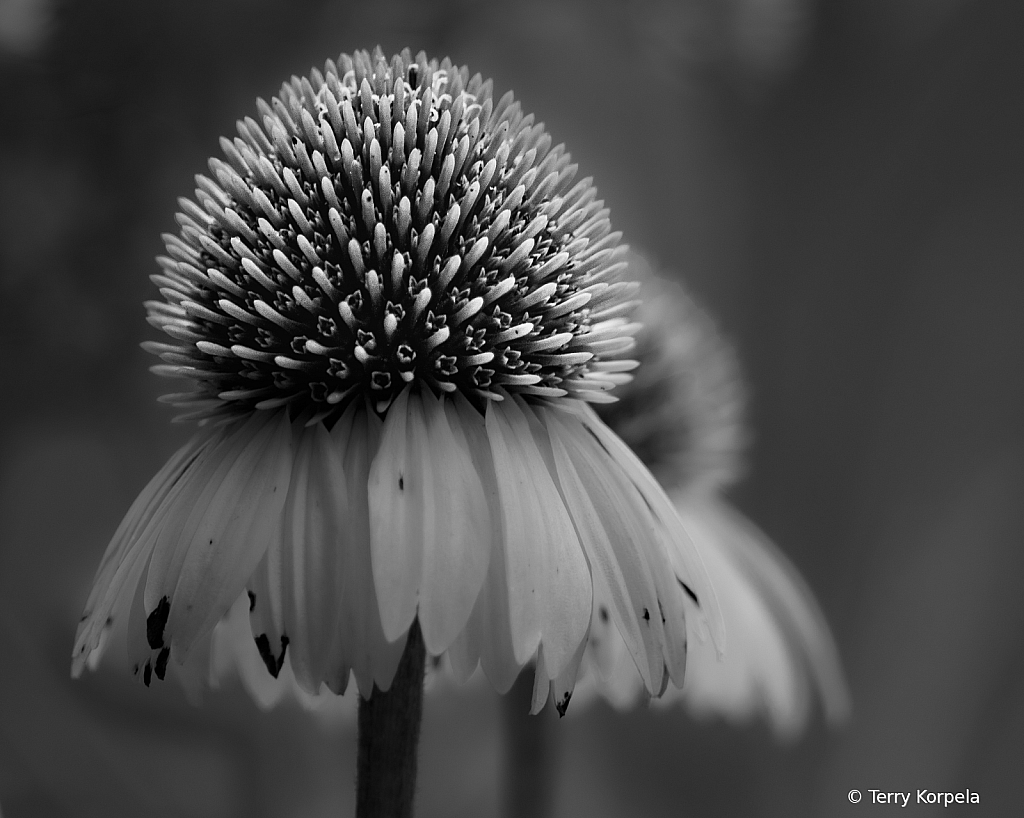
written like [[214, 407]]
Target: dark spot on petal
[[135, 669], [161, 663], [602, 612], [661, 610], [147, 674], [156, 622], [647, 615], [401, 483], [252, 600], [563, 705], [689, 592], [273, 663]]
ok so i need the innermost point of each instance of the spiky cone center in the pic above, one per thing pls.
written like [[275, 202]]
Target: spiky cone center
[[384, 224]]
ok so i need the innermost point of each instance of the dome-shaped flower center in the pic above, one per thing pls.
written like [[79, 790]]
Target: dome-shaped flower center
[[388, 223]]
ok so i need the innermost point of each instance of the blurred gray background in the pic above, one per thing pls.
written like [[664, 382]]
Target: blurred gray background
[[842, 183]]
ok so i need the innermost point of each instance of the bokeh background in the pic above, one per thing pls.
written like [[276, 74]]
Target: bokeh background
[[842, 183]]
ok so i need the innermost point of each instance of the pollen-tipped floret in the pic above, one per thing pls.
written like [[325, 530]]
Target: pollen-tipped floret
[[384, 223]]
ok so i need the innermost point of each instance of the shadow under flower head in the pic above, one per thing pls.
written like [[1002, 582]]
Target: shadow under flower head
[[396, 306], [684, 414]]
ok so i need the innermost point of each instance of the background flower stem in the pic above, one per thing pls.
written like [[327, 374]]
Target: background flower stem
[[389, 732], [530, 754]]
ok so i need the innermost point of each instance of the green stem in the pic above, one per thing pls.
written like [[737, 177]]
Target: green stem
[[530, 754], [389, 732]]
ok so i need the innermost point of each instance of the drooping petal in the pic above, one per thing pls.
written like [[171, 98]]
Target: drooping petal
[[246, 532], [560, 688], [615, 540], [224, 546], [128, 553], [398, 491], [170, 530], [549, 586], [625, 504], [176, 522], [686, 560], [361, 644], [487, 638], [456, 532], [307, 563]]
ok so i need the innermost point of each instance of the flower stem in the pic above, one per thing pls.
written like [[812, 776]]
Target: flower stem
[[389, 732], [530, 754]]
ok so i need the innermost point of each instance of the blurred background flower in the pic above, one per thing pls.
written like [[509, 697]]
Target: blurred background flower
[[683, 414], [842, 185]]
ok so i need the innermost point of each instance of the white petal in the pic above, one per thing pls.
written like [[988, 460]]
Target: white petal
[[563, 684], [616, 538], [397, 490], [243, 517], [362, 644], [689, 567], [128, 553], [456, 531], [174, 525], [311, 564], [559, 689], [624, 507], [548, 576], [487, 638]]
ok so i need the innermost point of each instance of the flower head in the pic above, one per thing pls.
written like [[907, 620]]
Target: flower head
[[395, 303]]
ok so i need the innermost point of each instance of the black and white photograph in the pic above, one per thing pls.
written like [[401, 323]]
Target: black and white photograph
[[525, 409]]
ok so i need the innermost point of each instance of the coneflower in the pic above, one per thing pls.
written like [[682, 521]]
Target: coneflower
[[396, 303], [683, 414]]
